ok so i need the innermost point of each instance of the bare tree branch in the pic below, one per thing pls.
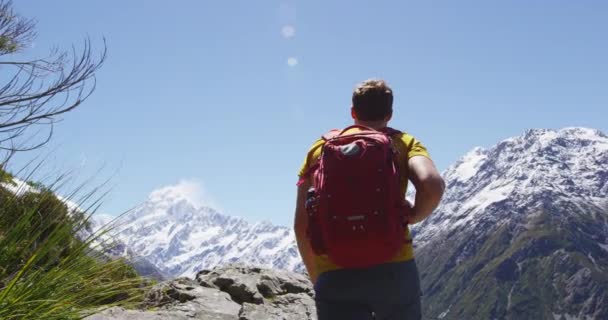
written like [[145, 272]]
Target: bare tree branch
[[37, 92], [15, 31]]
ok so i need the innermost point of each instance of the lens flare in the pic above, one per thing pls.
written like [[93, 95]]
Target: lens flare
[[288, 31], [292, 61]]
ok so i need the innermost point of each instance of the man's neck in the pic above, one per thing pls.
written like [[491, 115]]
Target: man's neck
[[377, 125]]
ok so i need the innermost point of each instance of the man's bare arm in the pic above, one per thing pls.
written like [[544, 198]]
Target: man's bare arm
[[429, 187], [300, 225]]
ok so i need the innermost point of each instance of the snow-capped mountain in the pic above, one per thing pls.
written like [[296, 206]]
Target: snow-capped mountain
[[181, 238], [569, 165], [522, 232]]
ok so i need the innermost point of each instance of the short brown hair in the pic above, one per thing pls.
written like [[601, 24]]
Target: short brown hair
[[373, 100]]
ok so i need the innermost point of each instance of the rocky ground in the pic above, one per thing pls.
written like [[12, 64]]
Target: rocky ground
[[227, 293]]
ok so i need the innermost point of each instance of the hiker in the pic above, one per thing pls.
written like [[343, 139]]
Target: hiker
[[351, 219]]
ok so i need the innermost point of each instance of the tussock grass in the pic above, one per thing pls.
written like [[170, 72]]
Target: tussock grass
[[51, 263]]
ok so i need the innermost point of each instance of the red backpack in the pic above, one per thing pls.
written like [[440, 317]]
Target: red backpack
[[355, 206]]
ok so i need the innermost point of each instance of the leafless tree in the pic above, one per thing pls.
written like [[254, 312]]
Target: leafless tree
[[35, 93]]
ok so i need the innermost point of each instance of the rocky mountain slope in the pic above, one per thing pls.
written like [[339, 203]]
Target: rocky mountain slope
[[522, 232], [181, 239]]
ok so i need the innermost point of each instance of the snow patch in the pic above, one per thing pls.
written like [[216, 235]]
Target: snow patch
[[203, 235], [489, 195], [547, 136], [445, 313], [18, 187], [510, 296], [469, 164], [566, 316], [583, 133]]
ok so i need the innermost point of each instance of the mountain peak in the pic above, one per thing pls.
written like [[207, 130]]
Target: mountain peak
[[469, 164], [175, 231], [540, 167], [187, 191], [581, 133], [564, 146]]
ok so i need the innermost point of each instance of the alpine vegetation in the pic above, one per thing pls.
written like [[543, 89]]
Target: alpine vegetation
[[522, 232], [47, 271]]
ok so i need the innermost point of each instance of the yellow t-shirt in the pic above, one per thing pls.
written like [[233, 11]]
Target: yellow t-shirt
[[407, 147]]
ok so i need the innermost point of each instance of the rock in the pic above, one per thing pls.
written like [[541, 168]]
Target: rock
[[215, 306], [117, 313], [228, 293], [242, 288], [507, 270], [287, 307], [278, 283], [252, 285], [178, 290], [577, 286]]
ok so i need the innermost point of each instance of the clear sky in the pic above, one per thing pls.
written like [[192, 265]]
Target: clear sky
[[228, 95]]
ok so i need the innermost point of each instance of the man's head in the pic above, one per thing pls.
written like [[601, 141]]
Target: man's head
[[372, 102]]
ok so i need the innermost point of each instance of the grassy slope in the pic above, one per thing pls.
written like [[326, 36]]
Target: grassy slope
[[45, 270], [512, 278]]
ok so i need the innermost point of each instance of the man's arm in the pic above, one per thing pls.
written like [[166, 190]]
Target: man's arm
[[429, 187], [300, 225]]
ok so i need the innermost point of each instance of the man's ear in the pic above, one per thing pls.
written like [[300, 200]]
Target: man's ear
[[353, 114]]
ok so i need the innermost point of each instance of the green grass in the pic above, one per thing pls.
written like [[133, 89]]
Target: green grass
[[46, 272], [5, 177]]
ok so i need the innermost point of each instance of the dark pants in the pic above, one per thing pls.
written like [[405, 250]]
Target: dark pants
[[386, 292]]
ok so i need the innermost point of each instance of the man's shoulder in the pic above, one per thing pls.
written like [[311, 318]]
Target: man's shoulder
[[403, 136], [398, 132], [409, 145], [315, 149], [318, 143]]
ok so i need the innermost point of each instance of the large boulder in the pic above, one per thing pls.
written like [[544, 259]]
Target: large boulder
[[232, 292]]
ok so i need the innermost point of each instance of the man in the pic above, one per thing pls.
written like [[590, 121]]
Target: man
[[389, 290]]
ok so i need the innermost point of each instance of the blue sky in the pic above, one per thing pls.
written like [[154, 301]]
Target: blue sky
[[201, 91]]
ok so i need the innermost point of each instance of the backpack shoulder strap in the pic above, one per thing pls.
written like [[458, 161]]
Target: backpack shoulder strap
[[331, 134], [391, 132], [313, 166], [395, 136], [363, 130], [358, 126]]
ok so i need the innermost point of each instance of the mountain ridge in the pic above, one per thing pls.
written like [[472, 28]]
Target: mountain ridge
[[534, 204], [520, 231], [177, 237]]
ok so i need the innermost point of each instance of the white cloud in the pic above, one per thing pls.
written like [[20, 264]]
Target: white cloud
[[191, 190], [288, 31], [292, 61]]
